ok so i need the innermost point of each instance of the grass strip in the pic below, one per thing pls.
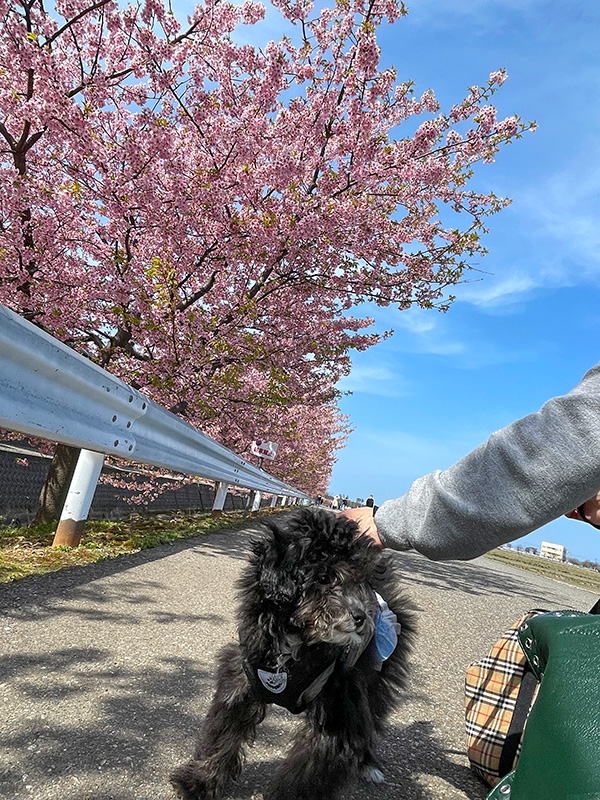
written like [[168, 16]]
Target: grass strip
[[29, 551], [555, 570]]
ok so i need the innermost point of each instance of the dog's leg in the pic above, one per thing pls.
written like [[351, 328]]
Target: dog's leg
[[231, 721], [312, 770], [334, 747]]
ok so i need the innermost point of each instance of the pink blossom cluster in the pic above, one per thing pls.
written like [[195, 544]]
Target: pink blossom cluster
[[201, 216]]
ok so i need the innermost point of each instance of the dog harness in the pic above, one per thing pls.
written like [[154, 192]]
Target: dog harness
[[300, 683], [304, 677]]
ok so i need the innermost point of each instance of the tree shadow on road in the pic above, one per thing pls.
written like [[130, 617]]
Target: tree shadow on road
[[37, 593], [471, 577], [420, 768], [131, 602], [415, 765], [97, 722], [102, 730], [86, 726]]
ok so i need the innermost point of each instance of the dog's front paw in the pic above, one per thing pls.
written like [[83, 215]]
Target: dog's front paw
[[190, 782], [372, 774]]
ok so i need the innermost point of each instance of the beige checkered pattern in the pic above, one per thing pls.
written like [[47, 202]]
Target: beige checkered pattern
[[491, 690]]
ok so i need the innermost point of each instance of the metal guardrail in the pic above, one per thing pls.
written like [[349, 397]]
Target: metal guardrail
[[50, 391]]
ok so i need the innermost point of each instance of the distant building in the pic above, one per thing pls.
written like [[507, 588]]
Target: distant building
[[557, 552]]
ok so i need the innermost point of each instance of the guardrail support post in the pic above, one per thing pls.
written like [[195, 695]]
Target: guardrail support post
[[256, 501], [274, 501], [79, 499], [219, 501]]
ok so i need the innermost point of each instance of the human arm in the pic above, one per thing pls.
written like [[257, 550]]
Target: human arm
[[539, 468]]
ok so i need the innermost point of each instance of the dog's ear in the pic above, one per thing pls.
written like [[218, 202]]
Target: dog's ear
[[279, 559], [277, 586]]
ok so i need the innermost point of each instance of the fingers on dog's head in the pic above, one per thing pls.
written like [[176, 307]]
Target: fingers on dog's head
[[308, 552]]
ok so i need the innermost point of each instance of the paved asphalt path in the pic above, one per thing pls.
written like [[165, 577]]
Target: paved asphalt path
[[106, 672]]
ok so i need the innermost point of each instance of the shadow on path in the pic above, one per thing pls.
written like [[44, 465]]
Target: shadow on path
[[145, 724], [39, 590], [107, 700], [482, 578]]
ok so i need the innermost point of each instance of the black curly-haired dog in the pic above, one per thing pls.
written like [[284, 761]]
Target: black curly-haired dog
[[314, 629]]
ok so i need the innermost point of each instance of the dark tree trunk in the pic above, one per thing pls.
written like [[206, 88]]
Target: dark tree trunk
[[58, 480]]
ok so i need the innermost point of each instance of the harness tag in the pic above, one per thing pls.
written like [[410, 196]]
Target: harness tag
[[273, 681], [387, 630]]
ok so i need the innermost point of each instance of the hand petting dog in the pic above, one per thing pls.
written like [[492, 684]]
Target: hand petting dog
[[363, 517]]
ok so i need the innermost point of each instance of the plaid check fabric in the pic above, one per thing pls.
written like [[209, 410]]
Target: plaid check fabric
[[492, 693]]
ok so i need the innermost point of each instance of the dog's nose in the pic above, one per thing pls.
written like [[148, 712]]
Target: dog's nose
[[359, 617]]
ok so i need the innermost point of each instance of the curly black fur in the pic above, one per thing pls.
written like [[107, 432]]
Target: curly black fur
[[309, 582]]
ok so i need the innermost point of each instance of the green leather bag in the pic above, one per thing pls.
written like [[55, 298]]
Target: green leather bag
[[560, 755]]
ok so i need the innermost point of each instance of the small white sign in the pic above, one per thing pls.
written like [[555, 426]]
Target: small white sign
[[264, 449]]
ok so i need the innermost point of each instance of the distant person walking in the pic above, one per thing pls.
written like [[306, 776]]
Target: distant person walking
[[370, 502]]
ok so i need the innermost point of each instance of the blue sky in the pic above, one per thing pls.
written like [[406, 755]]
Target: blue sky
[[529, 327]]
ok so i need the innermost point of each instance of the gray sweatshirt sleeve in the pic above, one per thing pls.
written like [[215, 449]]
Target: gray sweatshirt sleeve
[[524, 476]]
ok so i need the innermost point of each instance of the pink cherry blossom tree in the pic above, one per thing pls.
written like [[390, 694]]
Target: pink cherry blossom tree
[[201, 216]]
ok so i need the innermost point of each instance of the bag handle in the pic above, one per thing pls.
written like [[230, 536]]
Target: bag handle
[[595, 609]]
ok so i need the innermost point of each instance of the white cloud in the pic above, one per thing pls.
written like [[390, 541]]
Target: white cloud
[[566, 210], [386, 462], [437, 337], [374, 379], [415, 320], [427, 453], [493, 292], [427, 329], [555, 236]]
